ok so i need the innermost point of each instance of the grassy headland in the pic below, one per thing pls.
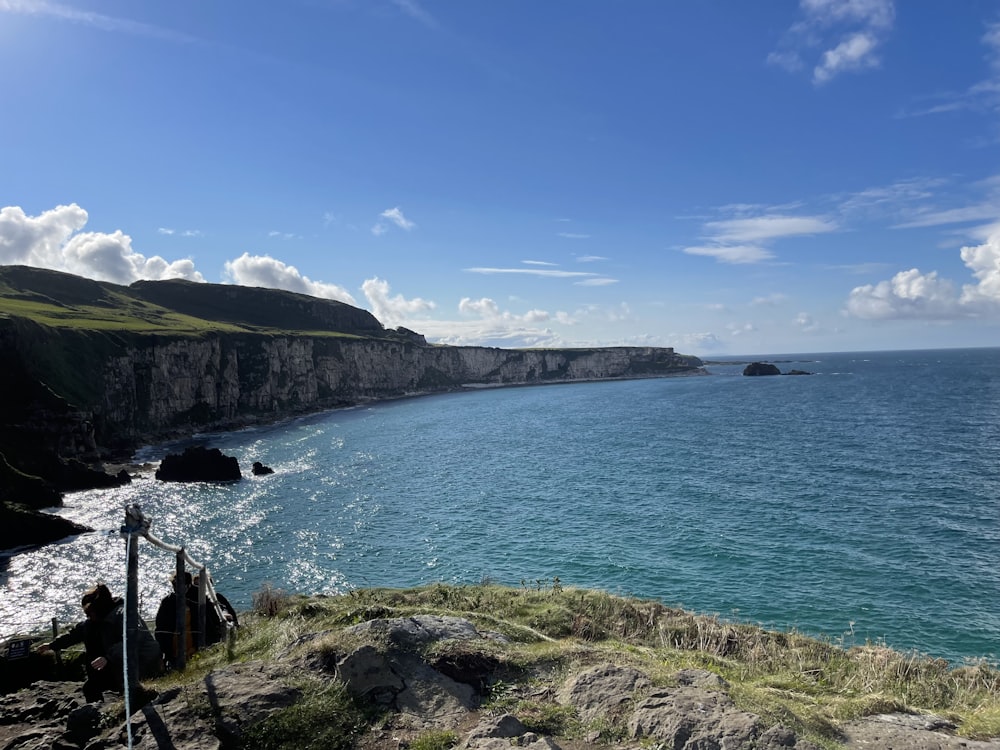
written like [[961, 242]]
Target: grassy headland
[[810, 685]]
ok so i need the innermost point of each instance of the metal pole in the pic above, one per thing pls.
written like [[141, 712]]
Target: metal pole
[[132, 610], [180, 602], [55, 634], [202, 587]]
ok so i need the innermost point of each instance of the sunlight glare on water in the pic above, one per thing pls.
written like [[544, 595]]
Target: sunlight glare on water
[[867, 493]]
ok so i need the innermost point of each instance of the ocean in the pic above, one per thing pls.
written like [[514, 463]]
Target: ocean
[[860, 503]]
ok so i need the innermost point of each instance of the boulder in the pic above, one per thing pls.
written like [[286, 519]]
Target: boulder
[[602, 690], [199, 464], [259, 470], [761, 368]]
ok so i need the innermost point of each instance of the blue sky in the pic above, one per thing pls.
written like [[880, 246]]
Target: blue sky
[[721, 176]]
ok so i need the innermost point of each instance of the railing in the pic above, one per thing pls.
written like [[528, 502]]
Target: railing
[[137, 525]]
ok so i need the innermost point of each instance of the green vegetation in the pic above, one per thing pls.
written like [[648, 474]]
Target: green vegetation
[[175, 308], [808, 684]]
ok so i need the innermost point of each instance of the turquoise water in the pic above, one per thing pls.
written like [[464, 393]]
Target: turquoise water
[[861, 503]]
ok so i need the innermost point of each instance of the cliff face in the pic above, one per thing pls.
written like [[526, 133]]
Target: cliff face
[[155, 386], [89, 365]]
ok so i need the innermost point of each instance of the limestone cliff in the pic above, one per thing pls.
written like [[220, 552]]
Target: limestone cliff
[[128, 365], [155, 386]]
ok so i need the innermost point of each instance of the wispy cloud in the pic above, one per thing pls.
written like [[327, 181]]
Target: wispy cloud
[[417, 12], [983, 95], [602, 281], [771, 300], [590, 258], [94, 20], [538, 263], [550, 272], [744, 240], [736, 254], [573, 235], [763, 228], [845, 34], [393, 216]]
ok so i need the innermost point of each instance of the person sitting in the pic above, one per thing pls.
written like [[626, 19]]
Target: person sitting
[[101, 635], [166, 623]]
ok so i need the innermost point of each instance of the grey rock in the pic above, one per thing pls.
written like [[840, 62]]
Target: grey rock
[[602, 690], [690, 718]]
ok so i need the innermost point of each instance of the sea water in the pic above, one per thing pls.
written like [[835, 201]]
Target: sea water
[[860, 503]]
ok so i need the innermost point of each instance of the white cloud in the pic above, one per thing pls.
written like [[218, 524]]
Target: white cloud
[[982, 96], [590, 258], [908, 294], [741, 240], [379, 229], [538, 263], [392, 311], [848, 34], [732, 253], [771, 300], [806, 323], [573, 235], [602, 281], [394, 215], [265, 271], [978, 212], [854, 53], [763, 228], [915, 295], [555, 273], [53, 240], [94, 20], [414, 10]]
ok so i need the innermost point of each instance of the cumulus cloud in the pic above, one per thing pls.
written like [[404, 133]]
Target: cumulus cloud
[[394, 216], [925, 296], [392, 311], [265, 271], [53, 240], [847, 34]]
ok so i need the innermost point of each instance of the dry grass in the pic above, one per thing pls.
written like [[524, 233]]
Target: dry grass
[[809, 684]]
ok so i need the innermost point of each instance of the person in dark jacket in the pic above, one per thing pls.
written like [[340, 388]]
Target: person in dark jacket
[[101, 635]]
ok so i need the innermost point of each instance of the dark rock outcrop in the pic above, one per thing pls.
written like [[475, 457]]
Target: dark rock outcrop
[[761, 368], [199, 464], [260, 470]]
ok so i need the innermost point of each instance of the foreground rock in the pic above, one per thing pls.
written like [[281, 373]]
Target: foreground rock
[[433, 673], [199, 464]]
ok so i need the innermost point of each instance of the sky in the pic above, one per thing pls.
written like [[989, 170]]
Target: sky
[[719, 176]]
